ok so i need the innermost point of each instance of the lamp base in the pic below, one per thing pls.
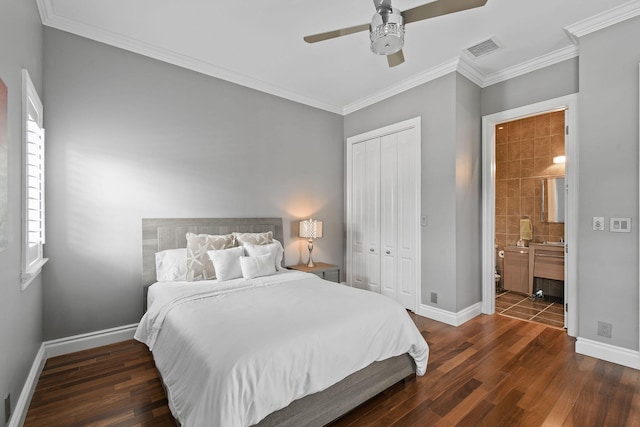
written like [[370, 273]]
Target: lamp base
[[310, 264]]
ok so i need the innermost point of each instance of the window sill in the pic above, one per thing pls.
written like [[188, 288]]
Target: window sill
[[33, 272]]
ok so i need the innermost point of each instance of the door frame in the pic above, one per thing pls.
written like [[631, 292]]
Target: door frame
[[414, 123], [489, 122]]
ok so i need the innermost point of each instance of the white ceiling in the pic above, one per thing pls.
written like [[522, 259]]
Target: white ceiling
[[259, 43]]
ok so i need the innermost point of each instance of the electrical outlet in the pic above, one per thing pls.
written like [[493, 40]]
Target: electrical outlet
[[7, 408], [434, 297], [604, 329]]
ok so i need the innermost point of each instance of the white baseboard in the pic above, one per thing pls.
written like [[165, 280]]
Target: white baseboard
[[608, 352], [22, 405], [448, 317], [57, 348], [91, 340]]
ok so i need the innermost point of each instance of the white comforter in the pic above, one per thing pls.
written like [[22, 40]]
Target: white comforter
[[232, 353]]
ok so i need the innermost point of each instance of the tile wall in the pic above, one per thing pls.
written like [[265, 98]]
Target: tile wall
[[525, 150], [524, 156]]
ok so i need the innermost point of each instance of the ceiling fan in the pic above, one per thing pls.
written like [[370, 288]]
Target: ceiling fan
[[386, 30]]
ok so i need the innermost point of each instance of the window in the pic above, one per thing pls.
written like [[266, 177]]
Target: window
[[33, 186]]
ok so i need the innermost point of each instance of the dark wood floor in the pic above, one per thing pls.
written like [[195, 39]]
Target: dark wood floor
[[114, 385], [491, 371]]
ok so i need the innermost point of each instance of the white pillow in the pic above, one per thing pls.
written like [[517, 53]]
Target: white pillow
[[171, 264], [226, 262], [274, 248], [256, 266]]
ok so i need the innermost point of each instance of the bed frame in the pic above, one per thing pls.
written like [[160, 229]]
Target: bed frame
[[317, 409]]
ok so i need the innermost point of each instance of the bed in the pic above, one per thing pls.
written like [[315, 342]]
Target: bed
[[284, 349]]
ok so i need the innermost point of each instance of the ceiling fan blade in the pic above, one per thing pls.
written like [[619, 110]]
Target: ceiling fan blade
[[439, 8], [395, 58], [336, 33]]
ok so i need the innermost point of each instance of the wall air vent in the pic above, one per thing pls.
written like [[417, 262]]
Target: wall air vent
[[483, 48]]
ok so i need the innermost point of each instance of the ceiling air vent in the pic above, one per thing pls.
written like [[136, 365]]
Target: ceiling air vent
[[483, 48]]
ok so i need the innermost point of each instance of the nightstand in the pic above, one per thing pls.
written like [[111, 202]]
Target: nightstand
[[324, 271]]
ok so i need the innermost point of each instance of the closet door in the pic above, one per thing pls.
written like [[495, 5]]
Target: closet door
[[408, 229], [383, 217], [389, 215], [372, 215], [365, 215], [398, 223], [357, 219]]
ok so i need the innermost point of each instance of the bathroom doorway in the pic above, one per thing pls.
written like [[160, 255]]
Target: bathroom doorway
[[529, 163], [519, 147]]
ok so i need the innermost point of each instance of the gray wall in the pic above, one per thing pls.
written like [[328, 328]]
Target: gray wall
[[449, 137], [468, 193], [547, 83], [607, 77], [130, 137], [608, 155], [20, 312]]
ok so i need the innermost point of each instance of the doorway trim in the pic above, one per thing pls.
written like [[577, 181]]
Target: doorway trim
[[570, 104]]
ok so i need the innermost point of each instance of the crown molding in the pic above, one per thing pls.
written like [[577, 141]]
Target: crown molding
[[602, 20], [460, 64], [424, 77], [463, 65], [45, 8], [534, 64], [467, 69], [50, 19]]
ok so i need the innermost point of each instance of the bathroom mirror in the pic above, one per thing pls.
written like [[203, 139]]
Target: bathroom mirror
[[553, 200]]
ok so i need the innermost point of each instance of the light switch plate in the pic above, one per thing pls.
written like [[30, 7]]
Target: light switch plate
[[598, 223], [620, 225]]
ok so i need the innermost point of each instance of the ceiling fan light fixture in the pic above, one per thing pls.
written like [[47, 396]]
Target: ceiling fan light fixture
[[387, 32]]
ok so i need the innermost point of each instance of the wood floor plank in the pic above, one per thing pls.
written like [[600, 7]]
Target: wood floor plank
[[569, 389], [458, 412], [490, 371]]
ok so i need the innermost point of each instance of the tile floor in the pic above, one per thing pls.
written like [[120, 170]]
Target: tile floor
[[548, 311]]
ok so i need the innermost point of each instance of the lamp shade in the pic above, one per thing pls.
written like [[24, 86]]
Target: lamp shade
[[310, 229]]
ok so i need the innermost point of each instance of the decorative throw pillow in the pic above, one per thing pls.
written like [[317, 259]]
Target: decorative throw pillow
[[226, 263], [254, 238], [199, 265], [171, 264], [274, 248], [257, 266]]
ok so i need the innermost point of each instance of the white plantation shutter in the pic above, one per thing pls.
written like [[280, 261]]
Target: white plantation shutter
[[33, 240], [35, 184]]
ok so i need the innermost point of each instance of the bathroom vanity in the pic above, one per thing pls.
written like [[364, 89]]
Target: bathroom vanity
[[516, 269], [523, 264], [546, 260]]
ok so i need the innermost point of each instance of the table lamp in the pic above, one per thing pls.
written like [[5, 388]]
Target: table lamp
[[310, 229]]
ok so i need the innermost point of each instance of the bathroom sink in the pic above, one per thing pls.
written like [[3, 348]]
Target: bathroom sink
[[553, 243]]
